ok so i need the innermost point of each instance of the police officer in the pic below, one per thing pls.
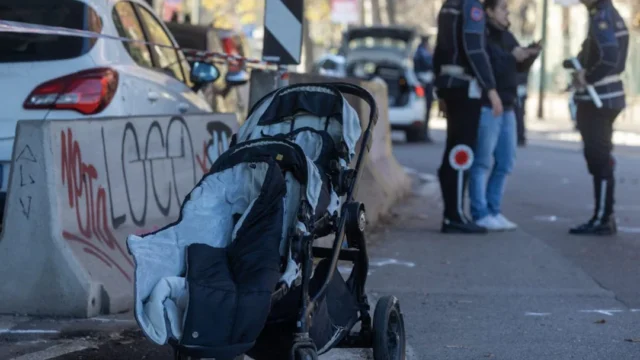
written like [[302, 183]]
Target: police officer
[[603, 57], [463, 72]]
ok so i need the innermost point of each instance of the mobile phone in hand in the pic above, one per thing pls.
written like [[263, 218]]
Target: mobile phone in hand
[[537, 44]]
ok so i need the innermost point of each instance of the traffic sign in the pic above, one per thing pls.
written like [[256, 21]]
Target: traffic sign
[[283, 31], [461, 157]]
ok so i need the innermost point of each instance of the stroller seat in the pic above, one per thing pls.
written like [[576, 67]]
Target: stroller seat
[[227, 230]]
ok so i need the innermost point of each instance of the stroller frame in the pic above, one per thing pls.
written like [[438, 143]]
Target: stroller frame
[[350, 226]]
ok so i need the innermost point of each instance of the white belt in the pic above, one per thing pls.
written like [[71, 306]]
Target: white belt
[[455, 71], [607, 80]]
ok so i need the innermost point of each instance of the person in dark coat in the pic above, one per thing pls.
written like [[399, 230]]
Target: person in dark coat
[[423, 67], [497, 133], [522, 79]]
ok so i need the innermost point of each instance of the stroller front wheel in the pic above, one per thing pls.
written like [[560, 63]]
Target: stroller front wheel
[[389, 340]]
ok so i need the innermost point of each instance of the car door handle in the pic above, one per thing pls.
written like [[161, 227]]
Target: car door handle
[[153, 96], [183, 107]]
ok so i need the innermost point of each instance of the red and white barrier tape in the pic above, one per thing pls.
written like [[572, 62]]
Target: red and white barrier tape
[[28, 28]]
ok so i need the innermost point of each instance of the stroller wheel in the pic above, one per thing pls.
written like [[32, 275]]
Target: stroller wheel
[[389, 341], [306, 354]]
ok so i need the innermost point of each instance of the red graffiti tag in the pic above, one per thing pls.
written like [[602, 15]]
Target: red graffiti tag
[[204, 161], [95, 232]]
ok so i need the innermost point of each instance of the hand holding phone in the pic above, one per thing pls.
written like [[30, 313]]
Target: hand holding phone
[[534, 45]]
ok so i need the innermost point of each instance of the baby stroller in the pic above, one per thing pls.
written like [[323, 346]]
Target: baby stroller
[[238, 273]]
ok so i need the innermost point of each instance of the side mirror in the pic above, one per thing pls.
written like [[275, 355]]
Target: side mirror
[[203, 73], [237, 78]]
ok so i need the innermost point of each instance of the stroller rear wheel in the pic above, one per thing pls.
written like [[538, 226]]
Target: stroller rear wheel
[[389, 341]]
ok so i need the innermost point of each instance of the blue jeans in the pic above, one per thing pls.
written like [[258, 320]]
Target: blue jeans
[[496, 141]]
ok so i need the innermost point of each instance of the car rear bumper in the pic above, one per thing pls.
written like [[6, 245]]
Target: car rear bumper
[[407, 116]]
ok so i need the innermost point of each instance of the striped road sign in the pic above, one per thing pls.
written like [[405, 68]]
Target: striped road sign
[[283, 31]]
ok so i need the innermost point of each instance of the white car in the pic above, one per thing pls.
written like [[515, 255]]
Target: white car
[[330, 65], [53, 77], [385, 52]]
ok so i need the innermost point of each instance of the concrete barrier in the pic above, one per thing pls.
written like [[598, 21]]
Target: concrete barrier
[[78, 188], [384, 180]]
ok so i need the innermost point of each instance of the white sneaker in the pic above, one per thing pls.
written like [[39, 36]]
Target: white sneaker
[[505, 223], [490, 223]]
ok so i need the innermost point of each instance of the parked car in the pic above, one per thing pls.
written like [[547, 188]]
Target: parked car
[[231, 94], [330, 65], [53, 77], [386, 52]]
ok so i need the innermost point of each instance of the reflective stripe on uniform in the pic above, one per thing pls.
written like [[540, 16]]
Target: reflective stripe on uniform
[[455, 71], [607, 80]]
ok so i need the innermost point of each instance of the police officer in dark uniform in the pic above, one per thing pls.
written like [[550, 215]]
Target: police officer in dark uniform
[[463, 72], [603, 57]]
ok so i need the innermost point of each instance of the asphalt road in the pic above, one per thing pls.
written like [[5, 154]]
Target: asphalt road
[[536, 293]]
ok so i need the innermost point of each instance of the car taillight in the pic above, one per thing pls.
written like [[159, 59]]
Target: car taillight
[[87, 92], [419, 90]]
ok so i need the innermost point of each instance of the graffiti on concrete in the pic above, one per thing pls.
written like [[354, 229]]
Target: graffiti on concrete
[[95, 233], [24, 161], [149, 168], [219, 143]]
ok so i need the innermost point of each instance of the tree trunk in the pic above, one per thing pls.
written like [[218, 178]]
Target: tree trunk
[[391, 11], [375, 11]]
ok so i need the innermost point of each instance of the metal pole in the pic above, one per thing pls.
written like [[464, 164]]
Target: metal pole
[[282, 76], [543, 62]]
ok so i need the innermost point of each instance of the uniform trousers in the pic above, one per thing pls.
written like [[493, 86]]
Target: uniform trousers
[[463, 117], [596, 128]]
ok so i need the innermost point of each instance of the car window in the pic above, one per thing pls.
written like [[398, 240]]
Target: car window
[[23, 47], [128, 27], [168, 59], [330, 65]]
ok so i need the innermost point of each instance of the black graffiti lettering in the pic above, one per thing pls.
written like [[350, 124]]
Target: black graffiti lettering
[[130, 132], [219, 142], [172, 147], [164, 209], [115, 221], [185, 150]]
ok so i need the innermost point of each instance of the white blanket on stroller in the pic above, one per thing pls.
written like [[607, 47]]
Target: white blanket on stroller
[[160, 289]]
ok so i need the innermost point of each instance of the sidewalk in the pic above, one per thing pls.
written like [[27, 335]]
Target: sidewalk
[[557, 117]]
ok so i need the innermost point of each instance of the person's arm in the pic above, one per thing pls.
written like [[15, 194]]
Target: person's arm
[[474, 42], [603, 32]]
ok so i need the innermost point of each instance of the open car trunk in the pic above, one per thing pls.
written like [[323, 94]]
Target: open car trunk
[[399, 85]]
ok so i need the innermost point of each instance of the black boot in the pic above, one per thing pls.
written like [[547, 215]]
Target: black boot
[[603, 221], [464, 226], [459, 223]]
